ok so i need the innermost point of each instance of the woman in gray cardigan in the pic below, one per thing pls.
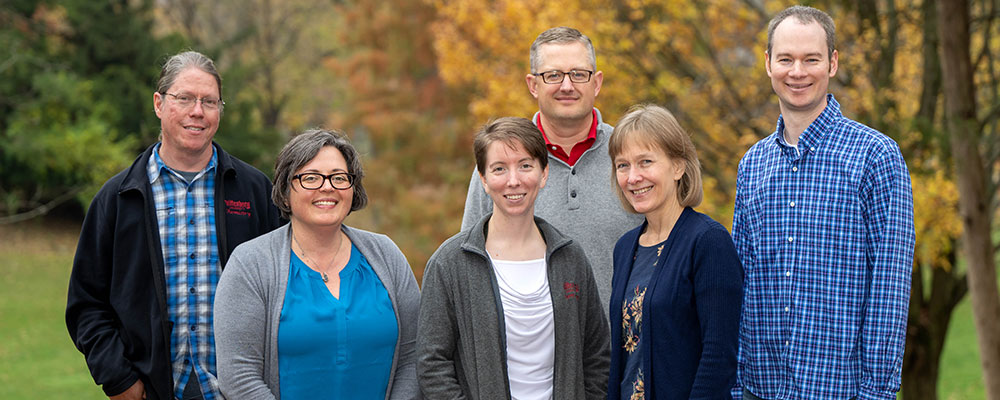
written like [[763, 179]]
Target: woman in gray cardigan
[[510, 308], [316, 309]]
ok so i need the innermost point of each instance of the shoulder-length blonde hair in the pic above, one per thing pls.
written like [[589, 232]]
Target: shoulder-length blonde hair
[[656, 127]]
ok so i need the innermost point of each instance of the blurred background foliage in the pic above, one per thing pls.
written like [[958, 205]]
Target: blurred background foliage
[[410, 81]]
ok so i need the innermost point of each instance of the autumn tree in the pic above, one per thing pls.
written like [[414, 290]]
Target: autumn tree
[[410, 127], [968, 61]]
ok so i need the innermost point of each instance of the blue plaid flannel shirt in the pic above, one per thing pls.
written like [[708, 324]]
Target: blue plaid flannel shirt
[[185, 214], [825, 233]]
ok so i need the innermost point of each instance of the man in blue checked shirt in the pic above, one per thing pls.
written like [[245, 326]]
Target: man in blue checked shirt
[[824, 227], [153, 244]]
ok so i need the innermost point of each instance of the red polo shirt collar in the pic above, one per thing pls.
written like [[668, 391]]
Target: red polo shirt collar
[[578, 149]]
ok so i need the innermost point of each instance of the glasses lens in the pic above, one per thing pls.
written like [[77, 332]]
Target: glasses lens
[[579, 76], [552, 77], [311, 181], [341, 181]]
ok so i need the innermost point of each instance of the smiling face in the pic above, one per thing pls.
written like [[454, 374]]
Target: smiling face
[[512, 178], [187, 131], [326, 206], [800, 67], [648, 178], [566, 101]]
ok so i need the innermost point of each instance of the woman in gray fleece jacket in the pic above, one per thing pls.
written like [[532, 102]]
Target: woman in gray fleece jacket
[[509, 307], [316, 309]]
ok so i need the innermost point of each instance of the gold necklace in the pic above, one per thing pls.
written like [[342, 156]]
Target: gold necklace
[[303, 251]]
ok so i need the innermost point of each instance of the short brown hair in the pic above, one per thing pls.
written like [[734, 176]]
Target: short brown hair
[[804, 15], [560, 35], [656, 127], [510, 130], [300, 151]]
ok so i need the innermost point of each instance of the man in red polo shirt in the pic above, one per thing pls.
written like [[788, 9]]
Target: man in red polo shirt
[[578, 198]]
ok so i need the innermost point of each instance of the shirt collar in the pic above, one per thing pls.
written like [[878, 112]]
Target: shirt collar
[[814, 134], [156, 166]]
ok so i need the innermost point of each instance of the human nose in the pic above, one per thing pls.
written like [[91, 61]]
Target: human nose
[[513, 180], [797, 70], [565, 84], [633, 176], [197, 108], [327, 185]]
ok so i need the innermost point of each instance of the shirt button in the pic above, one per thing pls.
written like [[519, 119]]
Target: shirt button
[[795, 169], [786, 309], [786, 343], [788, 273], [791, 239], [191, 256], [191, 222], [191, 290], [554, 148], [573, 172], [572, 194], [812, 149], [194, 328], [792, 204]]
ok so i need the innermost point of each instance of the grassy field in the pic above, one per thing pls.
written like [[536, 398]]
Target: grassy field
[[39, 361]]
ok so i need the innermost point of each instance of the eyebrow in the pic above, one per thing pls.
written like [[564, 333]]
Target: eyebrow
[[787, 54], [314, 170]]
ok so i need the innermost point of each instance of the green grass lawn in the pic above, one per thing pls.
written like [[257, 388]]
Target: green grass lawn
[[38, 358], [961, 376], [39, 361]]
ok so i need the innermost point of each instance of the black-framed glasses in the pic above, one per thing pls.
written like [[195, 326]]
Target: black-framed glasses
[[187, 100], [314, 180], [556, 76]]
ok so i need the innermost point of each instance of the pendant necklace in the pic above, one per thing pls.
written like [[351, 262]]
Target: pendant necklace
[[303, 251]]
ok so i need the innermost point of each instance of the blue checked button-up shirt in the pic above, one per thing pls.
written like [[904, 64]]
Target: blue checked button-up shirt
[[185, 214], [825, 233]]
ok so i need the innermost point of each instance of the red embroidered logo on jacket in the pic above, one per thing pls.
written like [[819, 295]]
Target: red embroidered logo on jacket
[[572, 290], [236, 207]]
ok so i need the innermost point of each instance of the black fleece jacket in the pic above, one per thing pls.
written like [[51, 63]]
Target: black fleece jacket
[[116, 305]]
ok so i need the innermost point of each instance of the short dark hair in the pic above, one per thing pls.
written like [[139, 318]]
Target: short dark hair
[[179, 62], [510, 130], [656, 127], [300, 151], [560, 35], [804, 15]]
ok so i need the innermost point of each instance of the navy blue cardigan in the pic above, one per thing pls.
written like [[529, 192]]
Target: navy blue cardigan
[[691, 312]]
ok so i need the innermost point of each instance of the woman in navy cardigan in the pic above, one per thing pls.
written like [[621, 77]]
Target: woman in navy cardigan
[[678, 283]]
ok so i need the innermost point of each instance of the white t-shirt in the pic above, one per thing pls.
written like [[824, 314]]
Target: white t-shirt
[[530, 328]]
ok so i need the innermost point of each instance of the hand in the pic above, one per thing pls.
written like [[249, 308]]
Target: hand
[[135, 392]]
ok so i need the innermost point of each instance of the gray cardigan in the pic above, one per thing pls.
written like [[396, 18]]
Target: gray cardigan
[[580, 201], [461, 342], [250, 296]]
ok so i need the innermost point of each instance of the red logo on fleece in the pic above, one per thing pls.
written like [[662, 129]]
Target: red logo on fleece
[[236, 207], [572, 290]]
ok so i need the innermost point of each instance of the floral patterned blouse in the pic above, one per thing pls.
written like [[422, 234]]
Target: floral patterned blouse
[[646, 259]]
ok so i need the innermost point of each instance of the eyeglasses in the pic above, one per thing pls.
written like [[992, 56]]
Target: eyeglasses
[[556, 77], [186, 101], [314, 181]]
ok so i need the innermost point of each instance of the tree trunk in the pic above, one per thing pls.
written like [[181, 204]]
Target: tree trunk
[[927, 327], [974, 204]]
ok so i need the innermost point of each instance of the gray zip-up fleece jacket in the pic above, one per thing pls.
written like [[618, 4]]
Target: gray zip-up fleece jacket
[[461, 343], [251, 294]]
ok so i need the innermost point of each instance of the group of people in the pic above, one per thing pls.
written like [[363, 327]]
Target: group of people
[[582, 269]]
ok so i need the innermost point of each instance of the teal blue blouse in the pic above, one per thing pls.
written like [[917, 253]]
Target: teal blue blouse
[[331, 348]]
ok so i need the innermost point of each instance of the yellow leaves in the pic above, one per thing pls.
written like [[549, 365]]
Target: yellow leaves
[[935, 209]]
